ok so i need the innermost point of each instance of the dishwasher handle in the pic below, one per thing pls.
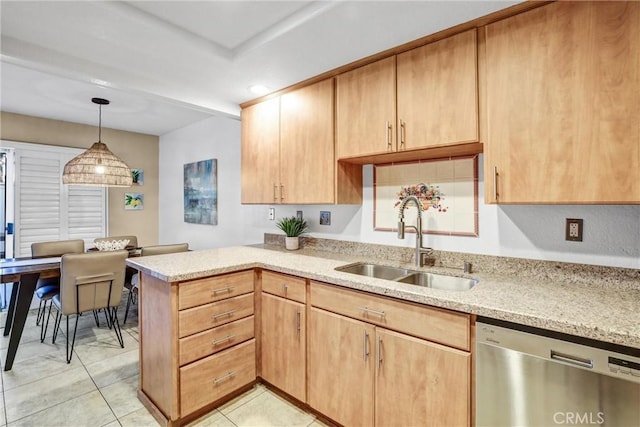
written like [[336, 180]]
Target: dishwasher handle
[[572, 360]]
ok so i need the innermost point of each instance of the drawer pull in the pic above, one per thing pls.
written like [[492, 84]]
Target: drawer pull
[[217, 291], [225, 339], [226, 313], [224, 377], [284, 288], [369, 310]]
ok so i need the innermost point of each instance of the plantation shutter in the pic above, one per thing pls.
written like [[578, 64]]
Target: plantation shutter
[[46, 209]]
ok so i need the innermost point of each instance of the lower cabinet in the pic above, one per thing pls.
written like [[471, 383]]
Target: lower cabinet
[[341, 368], [366, 374], [283, 335], [197, 343]]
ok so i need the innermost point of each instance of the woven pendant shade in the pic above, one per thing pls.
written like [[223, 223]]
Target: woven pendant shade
[[98, 165]]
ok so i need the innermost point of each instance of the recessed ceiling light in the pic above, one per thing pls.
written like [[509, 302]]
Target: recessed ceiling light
[[259, 89]]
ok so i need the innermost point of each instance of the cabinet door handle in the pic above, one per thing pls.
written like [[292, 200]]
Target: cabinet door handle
[[226, 313], [495, 183], [281, 191], [388, 131], [284, 288], [297, 321], [217, 291], [365, 346], [379, 352], [368, 310], [225, 339], [275, 190], [224, 377], [402, 133]]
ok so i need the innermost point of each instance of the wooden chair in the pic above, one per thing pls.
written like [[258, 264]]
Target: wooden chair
[[90, 282], [46, 288], [148, 251]]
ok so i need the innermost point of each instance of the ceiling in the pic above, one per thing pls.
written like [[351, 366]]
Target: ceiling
[[167, 64]]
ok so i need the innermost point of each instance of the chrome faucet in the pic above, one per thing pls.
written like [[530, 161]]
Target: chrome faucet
[[421, 252]]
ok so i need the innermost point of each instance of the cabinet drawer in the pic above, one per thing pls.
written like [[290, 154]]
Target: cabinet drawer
[[214, 314], [209, 379], [434, 324], [214, 340], [203, 291], [284, 286]]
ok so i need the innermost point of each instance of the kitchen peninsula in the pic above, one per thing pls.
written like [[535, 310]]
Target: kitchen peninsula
[[177, 290]]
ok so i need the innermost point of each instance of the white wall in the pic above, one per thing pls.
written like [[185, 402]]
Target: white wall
[[611, 233]]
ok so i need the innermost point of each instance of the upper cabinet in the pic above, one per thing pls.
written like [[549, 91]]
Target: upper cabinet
[[438, 93], [366, 110], [287, 148], [426, 97], [261, 152], [563, 105]]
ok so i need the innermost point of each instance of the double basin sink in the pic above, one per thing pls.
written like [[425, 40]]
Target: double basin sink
[[412, 277]]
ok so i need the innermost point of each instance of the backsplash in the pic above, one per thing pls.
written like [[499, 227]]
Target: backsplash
[[625, 278]]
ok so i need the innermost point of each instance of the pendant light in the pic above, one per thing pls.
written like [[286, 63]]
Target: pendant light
[[98, 165]]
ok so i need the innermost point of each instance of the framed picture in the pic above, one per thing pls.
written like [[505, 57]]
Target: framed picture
[[133, 201], [201, 192], [138, 176], [325, 218]]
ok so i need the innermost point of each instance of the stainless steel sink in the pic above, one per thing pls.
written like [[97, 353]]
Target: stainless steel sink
[[411, 277], [375, 270], [439, 281]]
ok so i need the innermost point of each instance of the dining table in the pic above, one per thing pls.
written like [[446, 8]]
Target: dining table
[[24, 274]]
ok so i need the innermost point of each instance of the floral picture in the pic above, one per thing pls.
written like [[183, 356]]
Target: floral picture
[[201, 192], [133, 201], [430, 196], [137, 176]]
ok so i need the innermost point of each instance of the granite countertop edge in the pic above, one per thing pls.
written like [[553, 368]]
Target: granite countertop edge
[[594, 312]]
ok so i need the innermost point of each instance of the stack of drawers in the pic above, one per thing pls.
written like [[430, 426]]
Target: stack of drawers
[[216, 338]]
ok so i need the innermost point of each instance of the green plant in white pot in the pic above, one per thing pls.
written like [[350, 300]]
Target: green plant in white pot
[[293, 227]]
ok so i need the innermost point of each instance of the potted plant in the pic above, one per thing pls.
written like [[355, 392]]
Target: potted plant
[[293, 227]]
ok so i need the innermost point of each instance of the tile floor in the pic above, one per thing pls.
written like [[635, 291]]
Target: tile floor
[[98, 387]]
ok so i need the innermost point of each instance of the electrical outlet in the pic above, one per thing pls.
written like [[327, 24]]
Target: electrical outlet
[[573, 231], [272, 214]]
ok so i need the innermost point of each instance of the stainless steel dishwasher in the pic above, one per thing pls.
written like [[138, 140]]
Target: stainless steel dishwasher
[[531, 377]]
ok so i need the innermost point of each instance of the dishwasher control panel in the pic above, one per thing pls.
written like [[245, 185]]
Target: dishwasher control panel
[[624, 367]]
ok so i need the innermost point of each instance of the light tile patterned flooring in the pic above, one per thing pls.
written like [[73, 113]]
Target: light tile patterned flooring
[[98, 387]]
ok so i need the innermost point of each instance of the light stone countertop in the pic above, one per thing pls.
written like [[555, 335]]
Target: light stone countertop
[[598, 311]]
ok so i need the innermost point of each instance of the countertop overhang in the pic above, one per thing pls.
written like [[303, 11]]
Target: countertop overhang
[[598, 311]]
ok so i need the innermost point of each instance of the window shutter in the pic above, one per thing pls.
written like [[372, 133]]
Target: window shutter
[[46, 209]]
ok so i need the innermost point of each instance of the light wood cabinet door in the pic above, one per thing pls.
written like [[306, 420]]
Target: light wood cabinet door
[[563, 102], [260, 177], [438, 93], [341, 368], [306, 144], [283, 334], [366, 110], [420, 383]]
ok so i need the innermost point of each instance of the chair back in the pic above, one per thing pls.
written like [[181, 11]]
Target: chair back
[[57, 248], [133, 240], [164, 249], [91, 281]]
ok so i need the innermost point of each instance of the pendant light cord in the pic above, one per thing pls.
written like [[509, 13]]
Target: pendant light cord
[[100, 123]]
